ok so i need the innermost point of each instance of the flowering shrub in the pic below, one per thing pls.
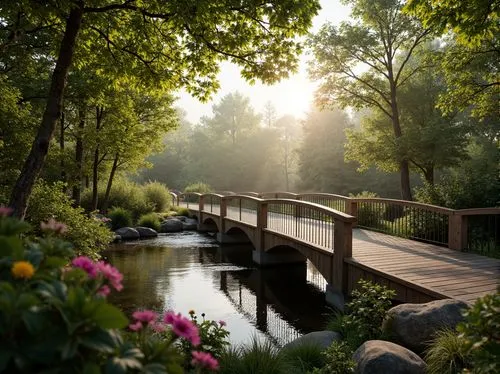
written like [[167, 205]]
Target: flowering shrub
[[54, 315], [213, 336]]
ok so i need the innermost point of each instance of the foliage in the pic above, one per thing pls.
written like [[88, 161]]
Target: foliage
[[382, 38], [303, 357], [481, 334], [89, 235], [253, 358], [446, 354], [322, 167], [213, 335], [150, 220], [120, 217], [199, 187], [369, 215], [124, 194], [56, 317], [158, 196], [338, 360], [365, 313]]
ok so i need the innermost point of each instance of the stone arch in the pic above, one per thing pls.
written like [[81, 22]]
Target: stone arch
[[210, 222], [235, 229]]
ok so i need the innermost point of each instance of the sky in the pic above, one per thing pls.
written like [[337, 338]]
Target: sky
[[290, 96]]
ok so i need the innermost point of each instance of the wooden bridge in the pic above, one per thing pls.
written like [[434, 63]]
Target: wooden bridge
[[397, 243]]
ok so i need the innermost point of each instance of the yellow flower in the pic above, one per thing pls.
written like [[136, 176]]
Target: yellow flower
[[22, 269]]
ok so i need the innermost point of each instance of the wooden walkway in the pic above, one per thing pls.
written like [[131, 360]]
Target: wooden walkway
[[419, 272], [435, 271]]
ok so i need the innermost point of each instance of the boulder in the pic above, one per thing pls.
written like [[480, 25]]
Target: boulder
[[381, 357], [171, 225], [324, 339], [146, 232], [117, 238], [190, 224], [415, 325], [128, 233]]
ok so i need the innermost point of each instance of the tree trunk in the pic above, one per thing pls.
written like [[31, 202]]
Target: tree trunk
[[429, 175], [95, 169], [77, 187], [404, 167], [61, 146], [105, 202], [36, 158]]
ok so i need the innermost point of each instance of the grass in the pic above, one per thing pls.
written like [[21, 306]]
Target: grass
[[446, 354]]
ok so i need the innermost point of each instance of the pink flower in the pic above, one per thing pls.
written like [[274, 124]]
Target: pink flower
[[135, 326], [111, 274], [222, 323], [158, 327], [5, 211], [85, 264], [183, 327], [146, 316], [53, 225], [104, 291], [204, 359]]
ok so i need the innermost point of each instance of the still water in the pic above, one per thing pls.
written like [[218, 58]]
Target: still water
[[190, 270]]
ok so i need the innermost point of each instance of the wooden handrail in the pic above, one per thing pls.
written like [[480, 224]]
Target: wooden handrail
[[477, 211], [321, 208], [325, 195], [433, 208]]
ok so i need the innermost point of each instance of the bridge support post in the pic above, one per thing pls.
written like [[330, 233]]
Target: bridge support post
[[342, 249]]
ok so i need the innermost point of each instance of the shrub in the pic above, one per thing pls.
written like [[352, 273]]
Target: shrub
[[338, 360], [213, 336], [369, 215], [481, 334], [56, 318], [180, 211], [120, 217], [88, 235], [198, 187], [150, 220], [446, 354], [365, 313], [124, 194], [158, 196], [304, 357]]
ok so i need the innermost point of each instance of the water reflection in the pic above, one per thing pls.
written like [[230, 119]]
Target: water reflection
[[190, 271]]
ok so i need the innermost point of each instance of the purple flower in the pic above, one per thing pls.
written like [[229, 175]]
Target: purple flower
[[158, 327], [135, 326], [104, 291], [146, 316], [111, 274], [222, 323], [204, 359], [85, 264], [182, 327]]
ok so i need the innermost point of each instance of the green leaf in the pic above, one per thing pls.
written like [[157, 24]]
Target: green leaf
[[100, 340], [154, 368], [5, 356], [70, 348], [34, 321], [91, 368], [11, 246], [108, 316]]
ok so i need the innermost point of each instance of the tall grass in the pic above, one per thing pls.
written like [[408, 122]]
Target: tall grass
[[158, 196], [446, 354]]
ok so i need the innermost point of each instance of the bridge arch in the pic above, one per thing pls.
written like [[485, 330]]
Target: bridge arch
[[237, 233]]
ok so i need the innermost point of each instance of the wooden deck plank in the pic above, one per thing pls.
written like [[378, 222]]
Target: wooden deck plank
[[456, 274]]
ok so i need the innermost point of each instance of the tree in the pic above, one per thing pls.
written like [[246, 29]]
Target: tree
[[365, 63], [430, 139], [288, 129], [471, 59], [174, 44], [269, 114]]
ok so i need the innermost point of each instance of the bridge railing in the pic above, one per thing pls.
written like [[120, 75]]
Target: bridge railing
[[337, 202], [174, 198], [210, 202], [278, 195], [424, 222], [478, 229], [308, 222], [241, 208], [190, 200]]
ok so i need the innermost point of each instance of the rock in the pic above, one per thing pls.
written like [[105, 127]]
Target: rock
[[190, 224], [127, 233], [415, 325], [181, 218], [117, 238], [321, 338], [146, 232], [171, 225], [381, 357]]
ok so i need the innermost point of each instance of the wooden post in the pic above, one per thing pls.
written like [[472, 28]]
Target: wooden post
[[342, 249], [222, 215], [457, 231], [352, 209]]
